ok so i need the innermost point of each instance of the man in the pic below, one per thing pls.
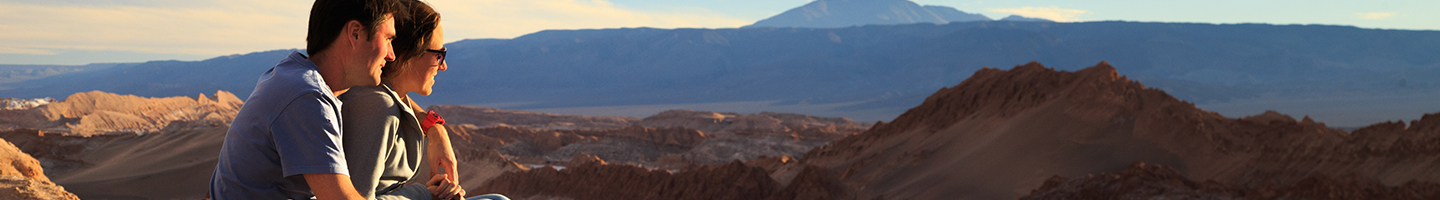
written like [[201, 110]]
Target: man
[[285, 142]]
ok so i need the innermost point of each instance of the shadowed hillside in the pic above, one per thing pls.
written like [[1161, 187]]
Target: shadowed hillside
[[1001, 133]]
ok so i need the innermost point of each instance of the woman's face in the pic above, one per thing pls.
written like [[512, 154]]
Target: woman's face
[[423, 70]]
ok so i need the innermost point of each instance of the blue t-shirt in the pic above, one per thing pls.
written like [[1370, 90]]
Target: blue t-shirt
[[288, 127]]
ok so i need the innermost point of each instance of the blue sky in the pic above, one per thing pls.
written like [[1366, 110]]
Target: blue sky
[[74, 32]]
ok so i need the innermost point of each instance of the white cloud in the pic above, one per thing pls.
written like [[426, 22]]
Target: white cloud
[[508, 18], [1051, 13], [219, 27], [10, 50], [214, 30], [1375, 15]]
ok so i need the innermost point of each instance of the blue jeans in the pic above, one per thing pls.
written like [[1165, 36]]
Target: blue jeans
[[488, 197]]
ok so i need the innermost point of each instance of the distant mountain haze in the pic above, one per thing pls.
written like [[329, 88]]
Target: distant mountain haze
[[1019, 18], [1344, 76], [954, 15], [846, 13]]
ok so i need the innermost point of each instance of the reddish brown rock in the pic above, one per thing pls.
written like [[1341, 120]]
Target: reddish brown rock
[[477, 166], [21, 177], [1148, 181], [814, 183], [794, 126], [95, 113], [1003, 132], [631, 144], [127, 166], [677, 132], [482, 117], [596, 180]]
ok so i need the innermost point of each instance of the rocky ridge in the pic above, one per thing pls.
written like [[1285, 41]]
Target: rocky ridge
[[1149, 181], [675, 137], [588, 177], [96, 113], [1002, 132], [481, 117], [102, 145], [23, 178]]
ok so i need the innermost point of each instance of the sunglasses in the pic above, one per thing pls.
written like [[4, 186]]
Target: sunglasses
[[441, 51]]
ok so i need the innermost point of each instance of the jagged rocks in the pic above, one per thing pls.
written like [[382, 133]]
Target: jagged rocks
[[96, 113], [792, 126], [699, 137], [21, 177], [590, 178], [1149, 181], [482, 117]]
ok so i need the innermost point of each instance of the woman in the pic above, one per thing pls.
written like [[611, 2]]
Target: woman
[[383, 131]]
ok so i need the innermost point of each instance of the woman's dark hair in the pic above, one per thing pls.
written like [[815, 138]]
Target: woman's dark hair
[[328, 18], [412, 37]]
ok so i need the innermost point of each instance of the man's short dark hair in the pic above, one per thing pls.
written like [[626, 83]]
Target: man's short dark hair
[[328, 18]]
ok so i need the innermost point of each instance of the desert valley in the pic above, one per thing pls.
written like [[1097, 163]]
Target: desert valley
[[1028, 132], [835, 99]]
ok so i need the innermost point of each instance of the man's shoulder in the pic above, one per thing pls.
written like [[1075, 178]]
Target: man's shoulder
[[294, 77], [286, 83], [296, 74]]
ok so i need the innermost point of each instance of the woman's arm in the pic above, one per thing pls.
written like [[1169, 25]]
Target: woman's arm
[[440, 153], [438, 149]]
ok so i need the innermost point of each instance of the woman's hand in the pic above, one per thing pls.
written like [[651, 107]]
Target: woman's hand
[[440, 154], [442, 186]]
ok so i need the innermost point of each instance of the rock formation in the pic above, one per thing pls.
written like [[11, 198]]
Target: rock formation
[[102, 145], [482, 117], [21, 104], [632, 144], [792, 126], [587, 177], [1001, 133], [1149, 181], [685, 136], [21, 177], [94, 113], [110, 146], [169, 164]]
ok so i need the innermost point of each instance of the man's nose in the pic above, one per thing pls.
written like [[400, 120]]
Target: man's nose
[[444, 65], [390, 56]]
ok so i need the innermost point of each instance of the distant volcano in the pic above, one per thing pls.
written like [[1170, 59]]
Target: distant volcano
[[846, 13]]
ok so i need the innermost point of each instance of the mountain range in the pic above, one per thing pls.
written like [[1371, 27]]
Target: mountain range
[[870, 73], [878, 58]]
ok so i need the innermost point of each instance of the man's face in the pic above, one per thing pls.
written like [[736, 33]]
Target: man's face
[[373, 53]]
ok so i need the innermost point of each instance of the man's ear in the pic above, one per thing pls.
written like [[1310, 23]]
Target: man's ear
[[354, 33]]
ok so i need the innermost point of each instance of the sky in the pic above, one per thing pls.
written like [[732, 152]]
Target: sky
[[74, 32]]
